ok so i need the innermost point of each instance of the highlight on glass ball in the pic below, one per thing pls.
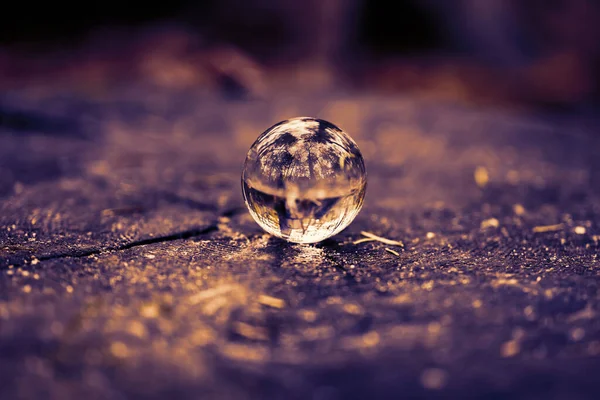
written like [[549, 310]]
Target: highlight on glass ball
[[304, 180]]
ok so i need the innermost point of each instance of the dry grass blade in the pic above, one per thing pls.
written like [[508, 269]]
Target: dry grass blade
[[372, 237], [394, 252], [363, 240], [382, 239]]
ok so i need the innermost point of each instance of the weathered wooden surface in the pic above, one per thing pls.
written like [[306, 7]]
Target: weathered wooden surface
[[129, 266]]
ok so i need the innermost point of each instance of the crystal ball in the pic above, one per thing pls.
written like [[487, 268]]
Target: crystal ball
[[304, 180]]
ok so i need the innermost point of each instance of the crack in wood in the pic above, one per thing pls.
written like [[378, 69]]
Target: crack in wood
[[143, 242]]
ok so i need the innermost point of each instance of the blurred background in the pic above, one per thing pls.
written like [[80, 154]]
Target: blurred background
[[536, 53]]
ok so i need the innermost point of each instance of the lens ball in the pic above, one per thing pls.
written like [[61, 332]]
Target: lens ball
[[304, 180]]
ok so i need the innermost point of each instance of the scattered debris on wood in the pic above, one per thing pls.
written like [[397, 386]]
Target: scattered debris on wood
[[271, 301], [490, 223], [548, 228]]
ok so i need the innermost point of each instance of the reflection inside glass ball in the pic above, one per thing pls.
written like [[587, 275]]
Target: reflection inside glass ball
[[304, 180]]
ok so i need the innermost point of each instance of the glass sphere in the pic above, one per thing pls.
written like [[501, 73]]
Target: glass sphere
[[304, 180]]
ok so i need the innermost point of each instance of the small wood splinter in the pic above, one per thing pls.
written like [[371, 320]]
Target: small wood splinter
[[370, 237]]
